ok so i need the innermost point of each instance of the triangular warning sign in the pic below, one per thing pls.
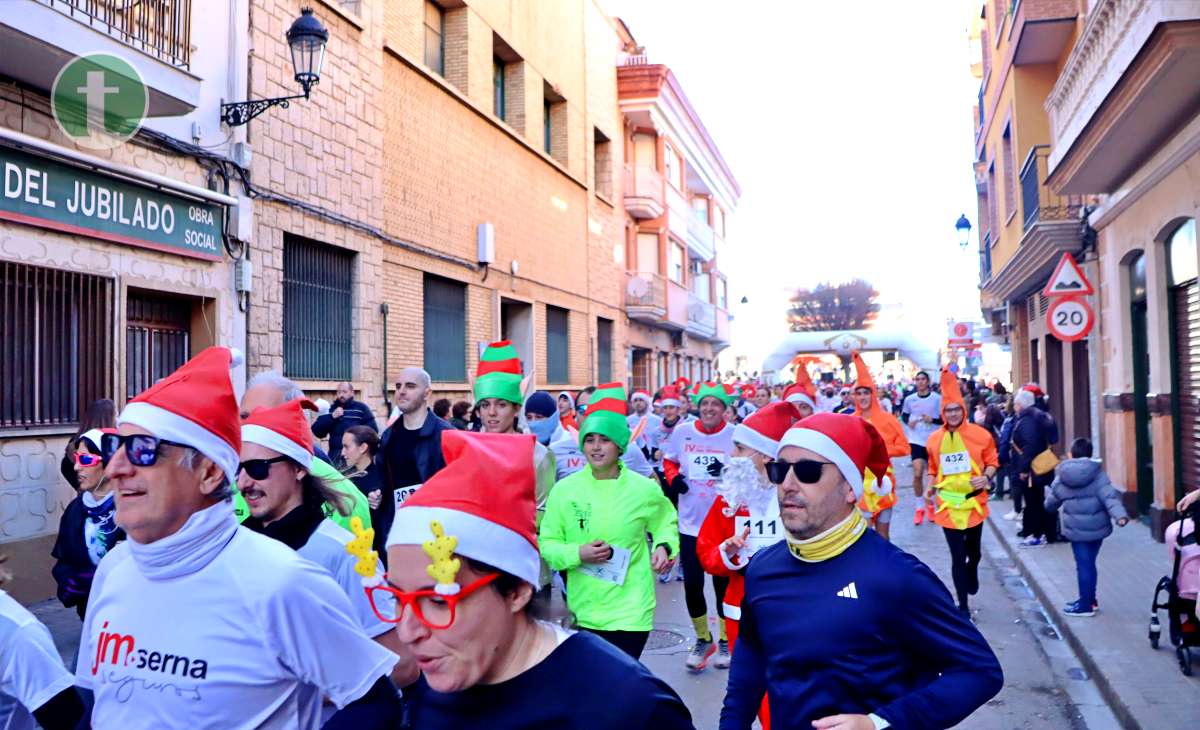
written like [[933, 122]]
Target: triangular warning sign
[[1068, 280]]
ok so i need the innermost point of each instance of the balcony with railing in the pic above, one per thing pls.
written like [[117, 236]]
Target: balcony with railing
[[39, 37], [644, 192], [645, 296], [701, 240], [1050, 224], [701, 318], [1040, 204], [160, 28]]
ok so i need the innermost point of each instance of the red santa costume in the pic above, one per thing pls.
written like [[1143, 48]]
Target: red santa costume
[[755, 509]]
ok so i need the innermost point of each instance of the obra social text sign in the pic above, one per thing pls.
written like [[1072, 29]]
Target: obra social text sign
[[42, 192]]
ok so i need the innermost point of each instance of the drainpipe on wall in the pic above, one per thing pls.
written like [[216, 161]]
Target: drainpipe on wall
[[383, 310], [1091, 269]]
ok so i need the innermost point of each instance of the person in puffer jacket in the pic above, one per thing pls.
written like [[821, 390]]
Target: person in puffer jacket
[[1088, 503]]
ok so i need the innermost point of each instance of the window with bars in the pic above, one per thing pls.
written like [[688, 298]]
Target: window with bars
[[604, 345], [56, 348], [157, 338], [558, 338], [317, 303], [445, 329]]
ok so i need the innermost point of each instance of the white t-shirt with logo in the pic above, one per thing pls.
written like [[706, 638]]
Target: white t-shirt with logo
[[914, 407], [31, 671], [253, 639], [695, 451]]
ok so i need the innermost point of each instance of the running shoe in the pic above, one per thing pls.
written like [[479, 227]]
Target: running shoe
[[1032, 542], [1077, 609], [1013, 515], [665, 577], [918, 516], [722, 659], [697, 658]]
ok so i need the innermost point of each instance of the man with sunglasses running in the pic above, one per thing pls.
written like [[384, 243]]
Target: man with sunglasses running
[[194, 621], [877, 635]]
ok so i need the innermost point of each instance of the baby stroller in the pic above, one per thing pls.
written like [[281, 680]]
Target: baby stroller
[[1181, 590]]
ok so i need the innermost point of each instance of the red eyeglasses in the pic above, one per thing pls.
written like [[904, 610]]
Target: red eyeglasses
[[431, 608]]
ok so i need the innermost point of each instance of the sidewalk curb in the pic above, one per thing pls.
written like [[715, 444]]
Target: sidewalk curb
[[1110, 694]]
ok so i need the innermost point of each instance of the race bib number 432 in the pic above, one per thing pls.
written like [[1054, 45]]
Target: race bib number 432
[[958, 462]]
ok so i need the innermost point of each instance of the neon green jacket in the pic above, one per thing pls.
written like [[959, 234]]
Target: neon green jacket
[[619, 511], [334, 479]]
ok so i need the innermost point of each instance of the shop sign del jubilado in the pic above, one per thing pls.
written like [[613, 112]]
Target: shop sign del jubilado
[[43, 192]]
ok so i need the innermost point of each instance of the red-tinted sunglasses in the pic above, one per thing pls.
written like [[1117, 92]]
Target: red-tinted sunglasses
[[431, 608], [83, 459]]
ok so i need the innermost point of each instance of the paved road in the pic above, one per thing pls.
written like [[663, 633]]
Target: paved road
[[1043, 688]]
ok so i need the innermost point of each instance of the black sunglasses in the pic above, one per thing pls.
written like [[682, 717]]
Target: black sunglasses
[[807, 471], [259, 468], [141, 449]]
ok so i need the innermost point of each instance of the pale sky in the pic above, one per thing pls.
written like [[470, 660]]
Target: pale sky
[[848, 127]]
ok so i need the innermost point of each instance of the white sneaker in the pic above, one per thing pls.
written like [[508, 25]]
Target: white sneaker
[[1014, 515]]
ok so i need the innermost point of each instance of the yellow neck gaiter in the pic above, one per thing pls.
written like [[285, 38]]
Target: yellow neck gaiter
[[831, 543]]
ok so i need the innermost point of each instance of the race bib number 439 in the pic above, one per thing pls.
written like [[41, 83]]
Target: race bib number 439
[[958, 462], [702, 465]]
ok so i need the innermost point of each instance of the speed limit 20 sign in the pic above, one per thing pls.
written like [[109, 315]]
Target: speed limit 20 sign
[[1070, 318]]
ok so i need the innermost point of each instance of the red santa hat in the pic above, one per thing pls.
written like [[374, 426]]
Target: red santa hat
[[763, 429], [640, 394], [195, 406], [671, 396], [850, 442], [749, 391], [284, 429], [483, 498]]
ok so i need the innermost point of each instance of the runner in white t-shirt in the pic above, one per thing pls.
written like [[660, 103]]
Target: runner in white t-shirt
[[693, 461], [921, 415], [197, 622], [34, 685]]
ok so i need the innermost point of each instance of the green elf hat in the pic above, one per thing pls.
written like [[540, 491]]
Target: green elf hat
[[607, 414], [707, 389], [499, 373]]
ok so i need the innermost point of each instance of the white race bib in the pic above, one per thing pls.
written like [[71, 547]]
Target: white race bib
[[612, 570], [404, 493], [766, 528], [698, 465], [956, 462]]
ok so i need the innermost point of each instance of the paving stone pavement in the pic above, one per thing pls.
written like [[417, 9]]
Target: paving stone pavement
[[1144, 686]]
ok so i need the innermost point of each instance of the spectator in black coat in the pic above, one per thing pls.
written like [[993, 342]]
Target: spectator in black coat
[[343, 414], [88, 528], [360, 446], [1033, 432]]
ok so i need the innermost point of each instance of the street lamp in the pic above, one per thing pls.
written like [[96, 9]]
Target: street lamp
[[963, 226], [306, 40]]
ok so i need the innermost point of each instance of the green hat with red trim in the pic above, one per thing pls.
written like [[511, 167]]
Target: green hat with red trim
[[607, 414], [707, 389], [498, 374]]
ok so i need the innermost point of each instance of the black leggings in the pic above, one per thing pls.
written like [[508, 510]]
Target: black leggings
[[630, 642], [693, 580], [964, 561]]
